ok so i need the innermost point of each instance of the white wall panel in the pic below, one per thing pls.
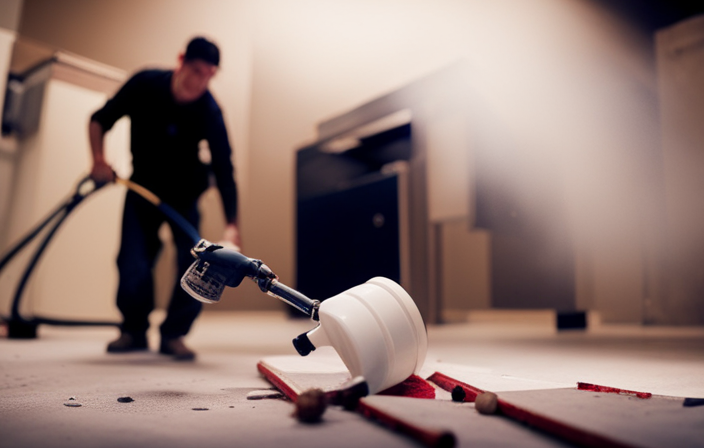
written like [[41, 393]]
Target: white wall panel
[[77, 277]]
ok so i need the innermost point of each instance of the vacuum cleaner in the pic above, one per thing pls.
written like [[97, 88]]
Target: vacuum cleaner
[[375, 327]]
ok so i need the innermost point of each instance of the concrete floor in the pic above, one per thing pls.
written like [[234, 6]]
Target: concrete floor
[[38, 376]]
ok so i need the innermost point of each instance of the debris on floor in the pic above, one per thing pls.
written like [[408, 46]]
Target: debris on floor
[[125, 400], [72, 403], [262, 394]]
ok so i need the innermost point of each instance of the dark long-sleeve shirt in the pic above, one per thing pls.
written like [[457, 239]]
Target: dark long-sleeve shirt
[[165, 138]]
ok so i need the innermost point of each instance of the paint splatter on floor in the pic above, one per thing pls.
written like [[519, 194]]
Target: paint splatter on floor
[[612, 390], [414, 386]]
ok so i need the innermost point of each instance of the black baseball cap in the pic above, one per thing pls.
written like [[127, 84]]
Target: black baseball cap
[[203, 49]]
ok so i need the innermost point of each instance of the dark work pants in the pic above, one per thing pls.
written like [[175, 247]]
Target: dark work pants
[[138, 252]]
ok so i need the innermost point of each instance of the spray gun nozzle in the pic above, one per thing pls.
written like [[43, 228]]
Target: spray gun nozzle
[[217, 267], [303, 345]]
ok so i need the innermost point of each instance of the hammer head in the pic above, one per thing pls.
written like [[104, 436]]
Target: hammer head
[[348, 396]]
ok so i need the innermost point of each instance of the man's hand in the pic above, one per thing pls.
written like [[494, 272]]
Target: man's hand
[[232, 235], [101, 172]]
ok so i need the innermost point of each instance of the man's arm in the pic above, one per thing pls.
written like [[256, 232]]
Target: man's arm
[[223, 170], [101, 172], [103, 120]]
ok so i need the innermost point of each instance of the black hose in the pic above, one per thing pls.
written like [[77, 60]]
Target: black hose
[[37, 254], [31, 235], [66, 208]]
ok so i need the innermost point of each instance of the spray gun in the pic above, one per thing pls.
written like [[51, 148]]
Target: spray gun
[[217, 267], [375, 327]]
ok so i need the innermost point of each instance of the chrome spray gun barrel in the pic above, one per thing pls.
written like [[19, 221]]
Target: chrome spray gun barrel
[[217, 267], [289, 295]]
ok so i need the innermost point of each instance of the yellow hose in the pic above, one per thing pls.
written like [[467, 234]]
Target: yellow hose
[[140, 190]]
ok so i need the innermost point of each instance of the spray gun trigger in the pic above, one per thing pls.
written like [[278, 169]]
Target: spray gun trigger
[[202, 246]]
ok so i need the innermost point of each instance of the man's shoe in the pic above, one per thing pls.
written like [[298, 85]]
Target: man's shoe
[[127, 343], [176, 348]]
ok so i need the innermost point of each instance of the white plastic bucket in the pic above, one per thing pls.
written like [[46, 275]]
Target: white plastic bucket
[[376, 329]]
